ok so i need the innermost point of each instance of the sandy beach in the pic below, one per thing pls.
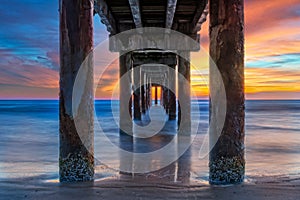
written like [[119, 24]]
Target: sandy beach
[[136, 99], [31, 170], [111, 188]]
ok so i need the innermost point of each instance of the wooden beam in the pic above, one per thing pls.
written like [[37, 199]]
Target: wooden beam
[[200, 15], [227, 161], [136, 13], [171, 8], [106, 16], [76, 157], [202, 19]]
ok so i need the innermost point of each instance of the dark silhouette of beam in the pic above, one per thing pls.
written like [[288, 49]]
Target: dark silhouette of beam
[[107, 18], [136, 13], [199, 16], [171, 9]]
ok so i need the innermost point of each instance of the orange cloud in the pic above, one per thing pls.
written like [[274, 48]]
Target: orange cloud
[[264, 82], [271, 80], [272, 27], [30, 76]]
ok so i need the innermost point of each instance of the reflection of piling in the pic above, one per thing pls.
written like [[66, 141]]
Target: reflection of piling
[[227, 164], [184, 161], [76, 161], [125, 155]]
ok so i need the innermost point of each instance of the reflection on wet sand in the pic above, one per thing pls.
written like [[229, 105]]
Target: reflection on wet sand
[[153, 168]]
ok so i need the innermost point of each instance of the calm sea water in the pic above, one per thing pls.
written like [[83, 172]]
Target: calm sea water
[[29, 138]]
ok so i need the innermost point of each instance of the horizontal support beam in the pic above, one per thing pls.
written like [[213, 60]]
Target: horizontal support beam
[[102, 9], [171, 8], [202, 19], [165, 58], [136, 13], [152, 38], [198, 16]]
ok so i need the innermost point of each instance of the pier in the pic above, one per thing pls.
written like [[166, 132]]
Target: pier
[[156, 73]]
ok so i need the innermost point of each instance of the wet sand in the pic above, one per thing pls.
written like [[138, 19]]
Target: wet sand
[[267, 154], [136, 189]]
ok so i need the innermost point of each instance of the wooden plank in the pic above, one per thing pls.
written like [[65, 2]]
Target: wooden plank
[[153, 8], [106, 16], [136, 13], [202, 19], [197, 16], [171, 8], [120, 9]]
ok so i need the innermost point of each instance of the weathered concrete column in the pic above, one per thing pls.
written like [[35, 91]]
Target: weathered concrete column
[[76, 160], [146, 91], [156, 96], [136, 105], [227, 163], [184, 109], [172, 96], [184, 90], [166, 93], [160, 97], [137, 95], [125, 64], [143, 99], [143, 92], [126, 125], [165, 97], [149, 93]]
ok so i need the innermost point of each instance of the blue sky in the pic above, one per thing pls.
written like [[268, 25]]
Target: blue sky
[[29, 48]]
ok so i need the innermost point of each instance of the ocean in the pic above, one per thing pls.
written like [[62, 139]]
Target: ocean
[[29, 142]]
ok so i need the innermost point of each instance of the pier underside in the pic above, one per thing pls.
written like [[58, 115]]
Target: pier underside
[[156, 80]]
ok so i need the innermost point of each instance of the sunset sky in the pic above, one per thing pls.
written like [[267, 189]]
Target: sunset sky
[[29, 62]]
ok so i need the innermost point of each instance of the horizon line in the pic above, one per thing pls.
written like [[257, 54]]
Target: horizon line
[[106, 99]]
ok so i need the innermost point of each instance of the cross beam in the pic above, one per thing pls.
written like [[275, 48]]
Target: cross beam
[[200, 16], [136, 13], [171, 8], [101, 7]]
